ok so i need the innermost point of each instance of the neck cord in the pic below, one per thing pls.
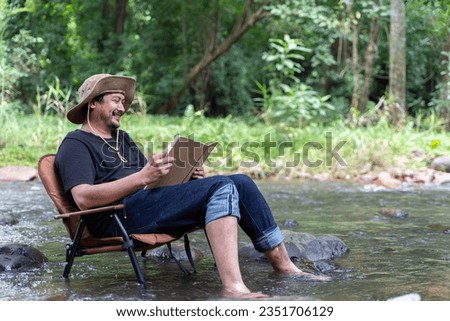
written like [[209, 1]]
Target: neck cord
[[116, 149]]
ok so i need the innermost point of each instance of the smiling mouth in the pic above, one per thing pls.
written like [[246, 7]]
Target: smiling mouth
[[117, 114]]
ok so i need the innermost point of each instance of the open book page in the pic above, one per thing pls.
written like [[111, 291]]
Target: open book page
[[188, 155]]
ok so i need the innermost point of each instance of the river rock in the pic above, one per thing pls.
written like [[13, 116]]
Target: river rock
[[178, 250], [289, 223], [7, 219], [20, 257], [407, 297], [305, 246], [387, 180], [441, 164], [18, 173], [441, 178], [393, 212]]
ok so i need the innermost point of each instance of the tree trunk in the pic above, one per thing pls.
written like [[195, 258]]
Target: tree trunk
[[369, 59], [121, 13], [445, 90], [214, 51], [397, 62], [355, 56], [105, 36]]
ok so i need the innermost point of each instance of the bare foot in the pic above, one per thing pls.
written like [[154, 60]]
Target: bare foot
[[244, 295]]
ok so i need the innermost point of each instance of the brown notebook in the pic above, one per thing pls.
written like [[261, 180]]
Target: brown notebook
[[188, 155]]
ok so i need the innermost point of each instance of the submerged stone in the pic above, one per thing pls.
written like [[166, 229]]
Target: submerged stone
[[393, 212], [7, 219], [20, 257], [178, 250]]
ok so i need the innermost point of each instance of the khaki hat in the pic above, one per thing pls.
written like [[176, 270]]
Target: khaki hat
[[100, 84]]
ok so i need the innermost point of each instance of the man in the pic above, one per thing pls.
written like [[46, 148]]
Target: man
[[100, 165]]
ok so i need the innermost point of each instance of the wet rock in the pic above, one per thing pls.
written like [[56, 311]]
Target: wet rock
[[406, 297], [290, 223], [320, 266], [423, 177], [441, 164], [322, 177], [178, 251], [385, 179], [17, 173], [307, 247], [20, 257], [440, 228], [441, 178], [393, 212], [7, 219]]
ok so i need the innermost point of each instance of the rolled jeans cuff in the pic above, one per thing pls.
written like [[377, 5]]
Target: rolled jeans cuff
[[224, 202], [269, 240]]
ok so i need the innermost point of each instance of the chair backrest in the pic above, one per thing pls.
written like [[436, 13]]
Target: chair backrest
[[49, 175], [50, 178]]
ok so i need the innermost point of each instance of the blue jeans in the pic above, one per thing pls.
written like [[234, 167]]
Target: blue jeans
[[178, 209]]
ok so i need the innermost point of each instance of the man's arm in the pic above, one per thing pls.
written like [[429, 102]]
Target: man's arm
[[88, 196]]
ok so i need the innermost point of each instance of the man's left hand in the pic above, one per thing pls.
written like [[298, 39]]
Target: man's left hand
[[199, 172]]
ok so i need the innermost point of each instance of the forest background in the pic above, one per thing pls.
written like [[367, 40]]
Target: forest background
[[297, 88]]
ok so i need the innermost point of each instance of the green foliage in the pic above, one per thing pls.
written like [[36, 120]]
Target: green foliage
[[41, 41], [242, 143], [286, 100], [54, 100]]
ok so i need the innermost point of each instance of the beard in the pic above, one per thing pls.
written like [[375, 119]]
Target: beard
[[109, 120]]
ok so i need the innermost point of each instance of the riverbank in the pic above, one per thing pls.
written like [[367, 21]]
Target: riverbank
[[384, 179], [380, 154]]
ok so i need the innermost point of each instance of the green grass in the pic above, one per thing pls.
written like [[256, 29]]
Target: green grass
[[247, 145]]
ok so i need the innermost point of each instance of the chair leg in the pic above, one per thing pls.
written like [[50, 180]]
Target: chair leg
[[187, 247], [180, 266], [71, 249], [128, 244]]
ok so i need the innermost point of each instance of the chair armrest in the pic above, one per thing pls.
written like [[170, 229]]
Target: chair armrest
[[98, 210]]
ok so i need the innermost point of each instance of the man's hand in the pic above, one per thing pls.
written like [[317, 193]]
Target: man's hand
[[199, 172], [157, 166], [89, 196]]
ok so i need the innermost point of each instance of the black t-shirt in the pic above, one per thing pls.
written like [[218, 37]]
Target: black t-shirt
[[84, 158]]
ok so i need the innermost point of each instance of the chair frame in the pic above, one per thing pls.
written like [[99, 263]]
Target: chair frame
[[68, 211]]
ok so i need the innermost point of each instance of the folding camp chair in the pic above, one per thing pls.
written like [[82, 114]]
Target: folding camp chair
[[83, 242]]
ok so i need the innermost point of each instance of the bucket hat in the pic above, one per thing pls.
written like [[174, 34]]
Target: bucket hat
[[100, 84]]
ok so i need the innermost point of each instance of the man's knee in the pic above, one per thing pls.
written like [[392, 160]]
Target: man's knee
[[241, 179], [223, 201]]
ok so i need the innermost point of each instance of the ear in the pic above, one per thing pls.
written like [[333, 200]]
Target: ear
[[92, 104]]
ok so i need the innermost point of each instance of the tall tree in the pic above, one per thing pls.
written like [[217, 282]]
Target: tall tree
[[369, 61], [397, 62], [248, 19], [355, 55]]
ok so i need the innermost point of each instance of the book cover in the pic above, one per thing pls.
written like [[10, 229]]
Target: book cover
[[188, 155]]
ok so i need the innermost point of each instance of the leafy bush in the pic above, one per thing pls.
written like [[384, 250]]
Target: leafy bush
[[286, 100]]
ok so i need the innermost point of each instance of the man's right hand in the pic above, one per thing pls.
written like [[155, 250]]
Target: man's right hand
[[157, 166]]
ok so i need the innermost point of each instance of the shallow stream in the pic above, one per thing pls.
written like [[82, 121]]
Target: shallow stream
[[388, 257]]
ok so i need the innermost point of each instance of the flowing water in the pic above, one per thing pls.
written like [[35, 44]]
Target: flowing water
[[388, 256]]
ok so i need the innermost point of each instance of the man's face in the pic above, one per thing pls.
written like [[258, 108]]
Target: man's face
[[111, 110]]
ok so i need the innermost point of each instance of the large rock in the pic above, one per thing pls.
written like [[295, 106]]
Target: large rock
[[305, 246], [441, 164], [20, 257], [17, 173]]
